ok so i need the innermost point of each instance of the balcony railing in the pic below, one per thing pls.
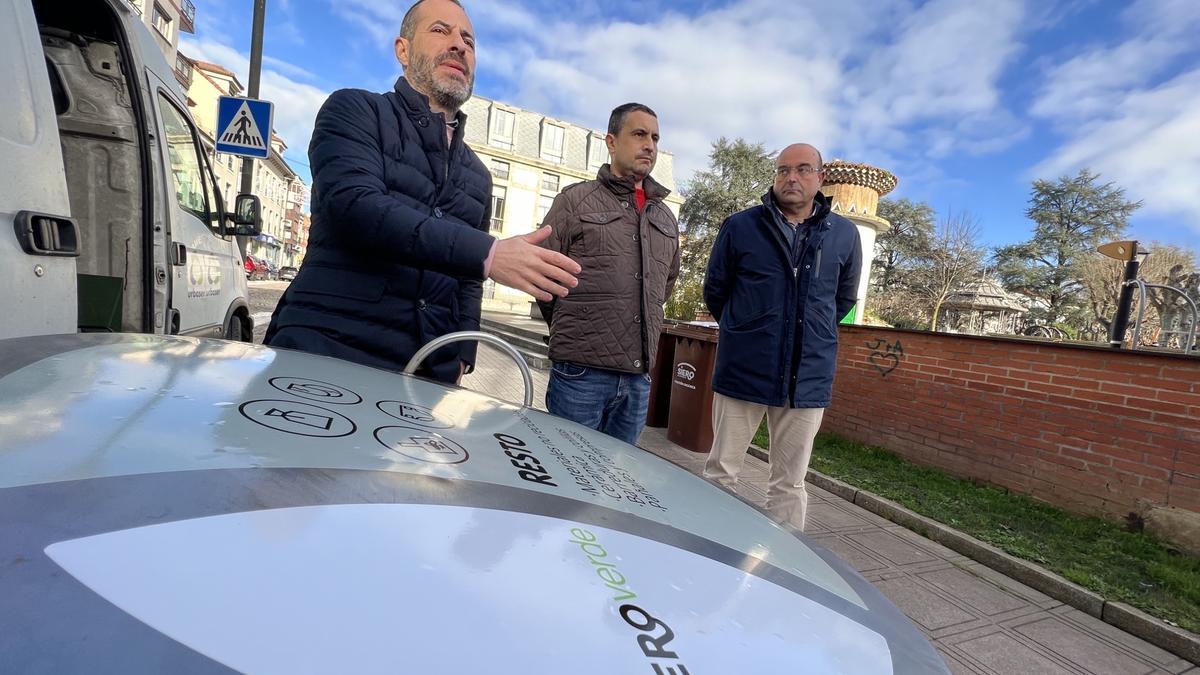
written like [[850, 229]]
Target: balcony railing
[[187, 16]]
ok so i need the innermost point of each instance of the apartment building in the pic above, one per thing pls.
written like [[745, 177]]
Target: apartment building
[[166, 19], [532, 157]]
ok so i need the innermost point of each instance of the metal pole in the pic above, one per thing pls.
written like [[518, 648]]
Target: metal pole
[[256, 40], [1137, 326], [1116, 333]]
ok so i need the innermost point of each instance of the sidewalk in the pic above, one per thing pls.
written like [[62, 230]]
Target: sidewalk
[[980, 620]]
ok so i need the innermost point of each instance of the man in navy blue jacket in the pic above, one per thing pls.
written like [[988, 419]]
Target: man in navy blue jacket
[[399, 245], [780, 277]]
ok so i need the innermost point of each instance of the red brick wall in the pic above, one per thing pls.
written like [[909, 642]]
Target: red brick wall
[[1087, 428]]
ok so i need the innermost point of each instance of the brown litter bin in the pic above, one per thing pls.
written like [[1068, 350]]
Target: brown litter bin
[[690, 423], [658, 411]]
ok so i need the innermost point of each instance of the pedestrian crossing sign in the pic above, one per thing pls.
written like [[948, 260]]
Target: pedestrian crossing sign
[[244, 126]]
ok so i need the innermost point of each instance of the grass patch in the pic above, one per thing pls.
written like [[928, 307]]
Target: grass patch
[[1097, 554]]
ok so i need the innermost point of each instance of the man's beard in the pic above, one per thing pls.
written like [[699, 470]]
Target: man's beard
[[448, 93]]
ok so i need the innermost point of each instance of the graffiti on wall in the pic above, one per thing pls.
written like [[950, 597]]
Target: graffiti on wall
[[884, 355]]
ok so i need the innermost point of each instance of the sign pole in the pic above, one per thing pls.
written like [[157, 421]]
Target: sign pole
[[256, 40]]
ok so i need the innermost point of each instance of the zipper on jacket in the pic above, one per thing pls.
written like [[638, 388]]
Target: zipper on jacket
[[817, 272]]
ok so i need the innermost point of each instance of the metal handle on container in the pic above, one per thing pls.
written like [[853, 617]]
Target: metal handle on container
[[1142, 285], [476, 336]]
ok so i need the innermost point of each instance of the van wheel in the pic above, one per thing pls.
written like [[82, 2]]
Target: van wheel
[[233, 330]]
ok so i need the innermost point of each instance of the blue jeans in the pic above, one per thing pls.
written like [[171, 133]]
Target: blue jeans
[[608, 401]]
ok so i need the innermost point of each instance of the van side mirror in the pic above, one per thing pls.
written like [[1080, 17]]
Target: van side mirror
[[246, 217]]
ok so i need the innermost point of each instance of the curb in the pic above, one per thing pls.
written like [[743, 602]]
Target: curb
[[1176, 640]]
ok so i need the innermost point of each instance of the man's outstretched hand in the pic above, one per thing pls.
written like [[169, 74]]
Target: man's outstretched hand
[[521, 264]]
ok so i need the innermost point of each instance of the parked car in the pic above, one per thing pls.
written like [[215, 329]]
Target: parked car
[[176, 504], [256, 268], [287, 273]]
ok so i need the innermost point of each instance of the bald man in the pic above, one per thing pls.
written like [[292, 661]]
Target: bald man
[[780, 277], [400, 247]]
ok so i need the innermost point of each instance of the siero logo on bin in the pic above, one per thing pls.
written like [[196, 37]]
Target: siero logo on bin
[[684, 374]]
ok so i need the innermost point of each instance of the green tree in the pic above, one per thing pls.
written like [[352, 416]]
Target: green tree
[[906, 241], [739, 174], [900, 254], [1071, 216]]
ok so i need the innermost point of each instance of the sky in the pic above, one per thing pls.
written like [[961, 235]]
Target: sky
[[967, 102]]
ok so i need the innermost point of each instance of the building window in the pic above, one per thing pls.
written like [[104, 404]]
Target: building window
[[550, 182], [503, 128], [543, 207], [499, 169], [162, 22], [597, 153], [552, 142], [498, 195]]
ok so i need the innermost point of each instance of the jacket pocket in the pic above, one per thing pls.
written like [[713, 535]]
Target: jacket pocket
[[596, 231], [664, 240], [664, 226], [339, 283], [752, 324], [569, 370], [750, 357]]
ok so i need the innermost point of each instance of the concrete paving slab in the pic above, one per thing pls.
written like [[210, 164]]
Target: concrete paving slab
[[970, 589], [1093, 654], [1032, 596], [958, 667], [1002, 653], [927, 608], [891, 547], [1113, 635], [853, 554], [834, 518]]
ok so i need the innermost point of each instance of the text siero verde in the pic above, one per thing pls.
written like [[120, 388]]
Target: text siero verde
[[654, 635]]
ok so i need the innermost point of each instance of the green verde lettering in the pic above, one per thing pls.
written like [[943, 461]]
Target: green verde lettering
[[606, 570]]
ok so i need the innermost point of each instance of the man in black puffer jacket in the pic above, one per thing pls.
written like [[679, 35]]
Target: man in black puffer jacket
[[399, 246]]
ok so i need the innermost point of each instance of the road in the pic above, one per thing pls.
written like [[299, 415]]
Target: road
[[263, 297]]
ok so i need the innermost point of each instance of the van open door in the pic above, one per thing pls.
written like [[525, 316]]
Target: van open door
[[38, 239]]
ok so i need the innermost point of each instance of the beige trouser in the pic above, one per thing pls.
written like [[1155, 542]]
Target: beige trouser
[[792, 432]]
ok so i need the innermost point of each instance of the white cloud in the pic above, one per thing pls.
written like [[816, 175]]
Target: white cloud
[[872, 80], [288, 68], [1146, 143], [380, 20], [296, 103], [1131, 110]]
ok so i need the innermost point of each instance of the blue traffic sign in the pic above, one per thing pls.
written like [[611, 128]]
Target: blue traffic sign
[[244, 126]]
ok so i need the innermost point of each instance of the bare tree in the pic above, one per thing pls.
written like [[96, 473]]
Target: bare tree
[[954, 258], [1101, 278]]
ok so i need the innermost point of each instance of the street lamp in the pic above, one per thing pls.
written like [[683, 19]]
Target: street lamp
[[1132, 255]]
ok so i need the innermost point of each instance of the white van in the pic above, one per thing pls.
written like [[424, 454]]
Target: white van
[[109, 218]]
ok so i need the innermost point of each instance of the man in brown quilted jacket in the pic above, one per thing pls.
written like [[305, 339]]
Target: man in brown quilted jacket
[[603, 336]]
